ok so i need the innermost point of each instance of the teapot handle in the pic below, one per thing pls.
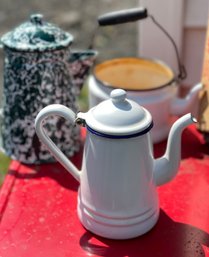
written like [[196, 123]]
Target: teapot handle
[[68, 114]]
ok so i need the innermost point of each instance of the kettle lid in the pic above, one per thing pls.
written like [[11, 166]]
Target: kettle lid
[[37, 35], [118, 117]]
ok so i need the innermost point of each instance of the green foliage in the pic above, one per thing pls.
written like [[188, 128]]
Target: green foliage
[[83, 99], [4, 164]]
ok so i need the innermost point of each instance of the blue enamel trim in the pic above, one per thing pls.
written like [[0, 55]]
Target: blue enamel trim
[[120, 136]]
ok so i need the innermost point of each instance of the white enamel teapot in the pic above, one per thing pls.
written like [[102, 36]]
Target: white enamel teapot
[[117, 197]]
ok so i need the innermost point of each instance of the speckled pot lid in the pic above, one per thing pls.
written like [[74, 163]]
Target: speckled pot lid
[[37, 35]]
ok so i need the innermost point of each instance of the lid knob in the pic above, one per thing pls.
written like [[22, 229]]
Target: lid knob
[[118, 95], [36, 19]]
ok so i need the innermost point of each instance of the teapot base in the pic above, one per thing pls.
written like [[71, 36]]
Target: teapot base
[[117, 228]]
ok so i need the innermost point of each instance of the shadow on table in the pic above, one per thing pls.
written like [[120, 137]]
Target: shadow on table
[[52, 171], [167, 239]]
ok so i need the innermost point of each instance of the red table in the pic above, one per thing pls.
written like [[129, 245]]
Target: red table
[[38, 212]]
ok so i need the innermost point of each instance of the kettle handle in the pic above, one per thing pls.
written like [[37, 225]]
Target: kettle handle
[[134, 14], [68, 114], [122, 16]]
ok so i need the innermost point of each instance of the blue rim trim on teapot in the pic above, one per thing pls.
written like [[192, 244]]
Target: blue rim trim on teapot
[[120, 136]]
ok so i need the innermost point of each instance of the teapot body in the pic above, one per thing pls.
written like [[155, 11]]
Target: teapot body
[[117, 188]]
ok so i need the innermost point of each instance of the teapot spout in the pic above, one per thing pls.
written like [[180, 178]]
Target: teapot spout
[[181, 106], [166, 167], [80, 62]]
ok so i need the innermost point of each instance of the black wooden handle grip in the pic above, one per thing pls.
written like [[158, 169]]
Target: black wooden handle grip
[[122, 16]]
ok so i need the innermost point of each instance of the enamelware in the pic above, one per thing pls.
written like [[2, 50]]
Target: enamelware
[[151, 83], [117, 197]]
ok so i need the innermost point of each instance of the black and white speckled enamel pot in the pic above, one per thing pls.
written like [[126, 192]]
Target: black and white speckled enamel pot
[[38, 70]]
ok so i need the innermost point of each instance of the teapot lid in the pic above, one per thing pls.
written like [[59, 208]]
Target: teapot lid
[[37, 35], [118, 117]]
